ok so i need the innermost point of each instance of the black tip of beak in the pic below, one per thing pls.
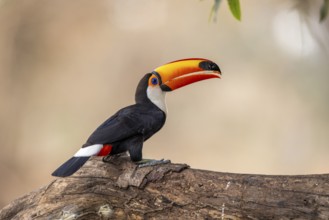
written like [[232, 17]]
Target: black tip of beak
[[208, 65]]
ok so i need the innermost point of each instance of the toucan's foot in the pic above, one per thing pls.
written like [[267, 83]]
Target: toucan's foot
[[149, 162], [110, 158]]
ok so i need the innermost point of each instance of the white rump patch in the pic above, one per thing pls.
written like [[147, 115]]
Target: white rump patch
[[157, 97], [89, 151]]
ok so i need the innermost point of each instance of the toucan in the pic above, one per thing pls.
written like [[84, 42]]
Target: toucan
[[127, 129]]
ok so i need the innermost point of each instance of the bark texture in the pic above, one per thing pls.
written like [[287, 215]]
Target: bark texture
[[120, 190]]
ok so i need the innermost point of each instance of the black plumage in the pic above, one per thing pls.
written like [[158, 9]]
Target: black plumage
[[70, 166]]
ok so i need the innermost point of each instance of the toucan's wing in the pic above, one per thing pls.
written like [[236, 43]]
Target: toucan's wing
[[124, 124]]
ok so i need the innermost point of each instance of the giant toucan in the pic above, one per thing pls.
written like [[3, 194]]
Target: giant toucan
[[127, 129]]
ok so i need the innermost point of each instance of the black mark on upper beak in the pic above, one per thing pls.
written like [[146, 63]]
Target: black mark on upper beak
[[208, 65]]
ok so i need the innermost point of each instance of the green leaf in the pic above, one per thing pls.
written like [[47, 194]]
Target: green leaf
[[235, 8], [324, 10]]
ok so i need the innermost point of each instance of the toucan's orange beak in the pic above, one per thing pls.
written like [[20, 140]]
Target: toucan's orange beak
[[180, 73]]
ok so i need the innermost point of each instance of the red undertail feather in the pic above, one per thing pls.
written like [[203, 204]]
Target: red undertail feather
[[105, 150]]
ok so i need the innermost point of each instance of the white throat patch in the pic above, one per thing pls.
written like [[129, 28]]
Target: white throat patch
[[157, 97]]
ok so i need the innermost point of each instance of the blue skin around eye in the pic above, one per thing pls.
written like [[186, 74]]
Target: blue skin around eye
[[154, 81]]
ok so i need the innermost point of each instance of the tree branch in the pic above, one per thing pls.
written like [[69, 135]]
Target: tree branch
[[122, 191]]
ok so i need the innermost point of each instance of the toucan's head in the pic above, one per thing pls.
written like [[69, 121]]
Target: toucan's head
[[180, 73], [172, 76]]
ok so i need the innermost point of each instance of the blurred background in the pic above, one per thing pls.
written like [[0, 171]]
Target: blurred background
[[67, 65]]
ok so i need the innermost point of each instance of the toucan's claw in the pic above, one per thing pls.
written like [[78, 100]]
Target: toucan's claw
[[148, 162], [109, 158]]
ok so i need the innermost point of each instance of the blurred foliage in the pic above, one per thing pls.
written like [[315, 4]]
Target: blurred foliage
[[236, 11], [324, 10], [234, 7]]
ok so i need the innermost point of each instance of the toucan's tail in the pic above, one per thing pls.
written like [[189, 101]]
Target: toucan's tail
[[80, 158], [70, 166]]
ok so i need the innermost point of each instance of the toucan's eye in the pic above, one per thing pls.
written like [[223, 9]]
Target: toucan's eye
[[154, 81]]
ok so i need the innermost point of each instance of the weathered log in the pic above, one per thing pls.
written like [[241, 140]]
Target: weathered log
[[120, 190]]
